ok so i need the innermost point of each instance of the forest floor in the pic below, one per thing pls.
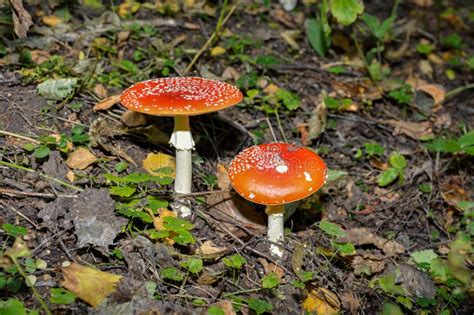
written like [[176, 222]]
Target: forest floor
[[86, 187]]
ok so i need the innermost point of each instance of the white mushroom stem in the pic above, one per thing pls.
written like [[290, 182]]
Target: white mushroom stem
[[276, 218], [183, 142]]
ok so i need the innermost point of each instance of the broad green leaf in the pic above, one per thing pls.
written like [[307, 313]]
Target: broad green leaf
[[397, 160], [14, 230], [215, 310], [12, 307], [391, 309], [316, 37], [41, 152], [335, 174], [172, 274], [424, 256], [372, 22], [29, 147], [184, 237], [386, 25], [444, 145], [289, 99], [61, 296], [57, 90], [266, 60], [125, 191], [235, 261], [388, 176], [346, 11], [156, 203], [331, 229], [467, 139], [345, 249], [259, 306], [373, 149], [176, 224], [121, 166], [270, 281], [194, 265]]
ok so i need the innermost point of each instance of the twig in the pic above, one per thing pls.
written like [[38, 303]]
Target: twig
[[458, 90], [10, 192], [11, 134], [18, 167], [220, 23], [20, 214]]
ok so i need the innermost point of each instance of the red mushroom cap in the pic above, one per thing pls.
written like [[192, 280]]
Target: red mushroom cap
[[277, 173], [180, 96]]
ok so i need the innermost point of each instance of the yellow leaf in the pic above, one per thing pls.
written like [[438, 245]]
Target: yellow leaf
[[90, 285], [321, 301], [107, 102], [217, 51], [80, 159], [127, 8], [158, 222], [156, 161], [223, 180], [51, 20]]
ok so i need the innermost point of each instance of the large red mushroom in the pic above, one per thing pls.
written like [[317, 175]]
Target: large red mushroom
[[273, 175], [180, 97]]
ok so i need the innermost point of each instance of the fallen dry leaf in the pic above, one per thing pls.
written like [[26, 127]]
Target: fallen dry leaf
[[80, 159], [91, 285], [71, 176], [350, 302], [318, 119], [158, 222], [230, 73], [367, 263], [271, 89], [51, 20], [362, 236], [100, 90], [436, 91], [208, 250], [107, 103], [133, 119], [321, 301], [452, 193], [21, 18], [290, 36], [223, 180], [270, 267], [160, 164], [39, 56], [414, 130]]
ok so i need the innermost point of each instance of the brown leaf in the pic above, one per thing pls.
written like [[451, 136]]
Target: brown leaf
[[230, 73], [90, 285], [414, 130], [51, 20], [270, 267], [367, 263], [321, 301], [133, 119], [80, 159], [271, 89], [107, 103], [436, 91], [350, 302], [208, 250], [423, 3], [100, 90], [21, 18], [39, 56], [318, 119], [223, 180], [362, 236], [452, 193]]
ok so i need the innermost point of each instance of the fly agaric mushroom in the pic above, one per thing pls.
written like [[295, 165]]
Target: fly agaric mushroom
[[180, 97], [273, 175]]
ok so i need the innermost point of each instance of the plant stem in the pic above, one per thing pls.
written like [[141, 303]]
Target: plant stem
[[275, 232], [11, 134], [36, 294], [18, 167], [182, 140], [458, 90]]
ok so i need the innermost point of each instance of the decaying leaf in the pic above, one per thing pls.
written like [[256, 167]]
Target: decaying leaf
[[160, 164], [270, 267], [318, 119], [80, 159], [21, 18], [290, 37], [51, 20], [321, 301], [133, 119], [453, 194], [414, 130], [436, 91], [350, 302], [100, 90], [362, 236], [367, 263], [208, 250], [223, 180], [91, 285], [107, 103]]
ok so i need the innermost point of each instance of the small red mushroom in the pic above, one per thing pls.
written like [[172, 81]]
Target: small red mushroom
[[180, 97], [273, 175]]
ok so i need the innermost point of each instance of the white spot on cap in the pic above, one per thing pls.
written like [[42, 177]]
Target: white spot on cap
[[252, 195], [282, 169], [307, 177]]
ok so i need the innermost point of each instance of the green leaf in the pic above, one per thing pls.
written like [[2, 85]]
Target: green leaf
[[388, 176], [331, 229], [29, 147], [372, 22], [41, 152], [14, 230], [289, 99], [57, 90], [397, 160], [335, 174], [128, 66], [172, 274], [259, 306], [424, 256], [215, 310], [121, 166], [453, 40], [388, 285], [373, 149], [235, 261], [391, 309], [466, 139], [61, 296], [184, 237], [346, 11], [270, 281], [403, 95], [443, 146], [424, 49], [194, 265], [156, 203], [177, 224], [344, 249], [12, 307], [337, 70], [316, 37], [425, 188], [125, 191], [386, 25], [266, 60], [375, 71]]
